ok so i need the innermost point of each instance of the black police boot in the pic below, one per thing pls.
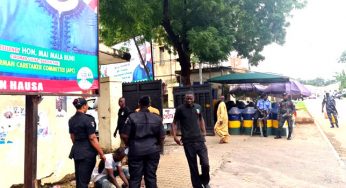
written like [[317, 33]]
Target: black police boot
[[265, 130], [278, 134], [289, 136]]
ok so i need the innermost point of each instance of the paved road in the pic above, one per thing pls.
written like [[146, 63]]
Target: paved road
[[337, 136], [306, 161]]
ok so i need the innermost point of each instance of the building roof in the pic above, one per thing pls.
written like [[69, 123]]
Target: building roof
[[108, 55]]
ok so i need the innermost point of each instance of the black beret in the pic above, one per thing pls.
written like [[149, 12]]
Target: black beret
[[79, 102]]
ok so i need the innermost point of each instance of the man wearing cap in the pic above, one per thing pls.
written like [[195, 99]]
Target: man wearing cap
[[331, 110], [143, 133], [286, 111], [85, 144], [262, 113]]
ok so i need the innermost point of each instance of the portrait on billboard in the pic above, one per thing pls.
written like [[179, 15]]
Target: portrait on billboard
[[140, 73], [133, 70]]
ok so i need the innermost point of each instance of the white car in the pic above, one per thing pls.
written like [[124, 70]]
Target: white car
[[93, 107]]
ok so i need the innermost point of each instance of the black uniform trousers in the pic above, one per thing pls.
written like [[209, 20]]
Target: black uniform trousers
[[83, 170], [191, 151], [263, 118], [281, 124], [143, 165]]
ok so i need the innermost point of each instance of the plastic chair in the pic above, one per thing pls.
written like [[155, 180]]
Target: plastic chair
[[260, 125]]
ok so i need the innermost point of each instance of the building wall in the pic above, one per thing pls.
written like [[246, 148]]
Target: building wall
[[166, 65], [53, 144]]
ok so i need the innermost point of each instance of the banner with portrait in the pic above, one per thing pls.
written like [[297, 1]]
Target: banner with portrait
[[133, 70]]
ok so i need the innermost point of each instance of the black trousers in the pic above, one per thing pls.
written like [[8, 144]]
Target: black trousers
[[143, 165], [281, 124], [192, 150], [83, 170], [264, 118]]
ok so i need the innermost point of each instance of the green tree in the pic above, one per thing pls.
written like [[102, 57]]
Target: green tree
[[317, 82], [342, 58], [206, 29], [341, 77]]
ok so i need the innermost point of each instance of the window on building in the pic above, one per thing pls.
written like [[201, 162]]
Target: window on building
[[162, 50]]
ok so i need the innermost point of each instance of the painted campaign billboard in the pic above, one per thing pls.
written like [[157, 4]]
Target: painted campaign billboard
[[48, 46], [133, 70]]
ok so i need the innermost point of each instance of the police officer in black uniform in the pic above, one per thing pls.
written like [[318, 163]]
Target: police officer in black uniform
[[85, 144], [144, 134], [123, 113]]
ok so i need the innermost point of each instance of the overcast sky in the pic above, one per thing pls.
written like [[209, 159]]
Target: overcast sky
[[314, 42]]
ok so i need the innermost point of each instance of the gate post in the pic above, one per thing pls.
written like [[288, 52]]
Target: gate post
[[110, 92]]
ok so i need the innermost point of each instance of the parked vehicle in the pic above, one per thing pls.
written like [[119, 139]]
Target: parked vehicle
[[338, 95], [93, 110]]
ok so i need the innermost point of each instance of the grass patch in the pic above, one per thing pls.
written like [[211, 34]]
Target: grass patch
[[300, 105]]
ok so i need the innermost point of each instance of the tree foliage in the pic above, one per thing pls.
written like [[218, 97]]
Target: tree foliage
[[341, 77], [206, 29], [317, 82], [342, 58]]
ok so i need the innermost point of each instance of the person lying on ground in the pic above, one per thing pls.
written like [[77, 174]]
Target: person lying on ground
[[104, 176]]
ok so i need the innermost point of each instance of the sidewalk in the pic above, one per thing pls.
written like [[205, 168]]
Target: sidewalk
[[305, 161], [335, 135]]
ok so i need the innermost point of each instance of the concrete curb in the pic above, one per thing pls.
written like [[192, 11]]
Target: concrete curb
[[336, 154]]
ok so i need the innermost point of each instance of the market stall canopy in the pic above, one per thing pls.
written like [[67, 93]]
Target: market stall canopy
[[293, 88], [246, 88], [250, 77]]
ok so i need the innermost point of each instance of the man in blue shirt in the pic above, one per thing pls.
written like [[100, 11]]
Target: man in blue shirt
[[263, 109]]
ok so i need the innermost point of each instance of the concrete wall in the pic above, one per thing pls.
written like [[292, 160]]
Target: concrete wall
[[53, 140], [111, 91], [54, 143]]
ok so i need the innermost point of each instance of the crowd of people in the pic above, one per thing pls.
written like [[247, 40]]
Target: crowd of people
[[142, 136], [260, 110]]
